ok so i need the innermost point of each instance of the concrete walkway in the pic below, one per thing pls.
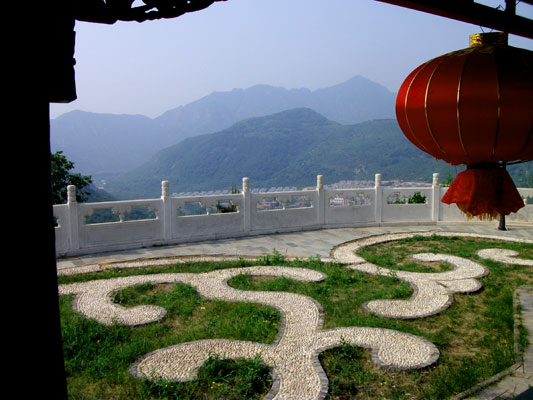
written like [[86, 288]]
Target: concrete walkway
[[312, 243], [299, 244]]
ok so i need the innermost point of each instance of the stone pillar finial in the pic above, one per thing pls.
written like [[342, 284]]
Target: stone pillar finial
[[71, 194], [378, 180], [164, 188], [319, 182], [435, 198], [436, 179], [245, 185]]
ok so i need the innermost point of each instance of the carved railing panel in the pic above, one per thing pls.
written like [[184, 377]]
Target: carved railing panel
[[98, 213], [207, 205], [283, 201], [349, 199]]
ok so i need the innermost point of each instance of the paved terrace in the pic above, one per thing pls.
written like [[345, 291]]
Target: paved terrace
[[321, 242], [297, 244]]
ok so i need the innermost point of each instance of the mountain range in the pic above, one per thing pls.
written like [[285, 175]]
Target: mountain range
[[274, 136], [289, 148], [109, 144]]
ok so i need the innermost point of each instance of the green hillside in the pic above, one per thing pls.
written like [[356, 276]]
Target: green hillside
[[285, 149], [104, 145]]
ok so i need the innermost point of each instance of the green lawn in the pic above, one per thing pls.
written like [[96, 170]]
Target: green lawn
[[474, 336]]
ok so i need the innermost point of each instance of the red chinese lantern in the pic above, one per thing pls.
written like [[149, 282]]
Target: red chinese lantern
[[474, 107]]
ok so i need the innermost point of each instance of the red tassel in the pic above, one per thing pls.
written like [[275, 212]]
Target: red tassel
[[484, 192]]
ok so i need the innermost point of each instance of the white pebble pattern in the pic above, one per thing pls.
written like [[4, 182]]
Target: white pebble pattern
[[504, 256], [293, 357], [433, 292]]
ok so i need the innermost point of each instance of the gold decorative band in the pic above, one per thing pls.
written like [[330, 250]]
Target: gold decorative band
[[489, 38], [405, 107], [426, 107], [458, 105]]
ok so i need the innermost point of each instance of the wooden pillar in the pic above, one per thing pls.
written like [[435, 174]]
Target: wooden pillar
[[501, 225], [44, 64], [47, 345]]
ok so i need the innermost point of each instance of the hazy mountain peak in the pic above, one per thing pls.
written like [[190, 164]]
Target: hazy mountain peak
[[137, 138]]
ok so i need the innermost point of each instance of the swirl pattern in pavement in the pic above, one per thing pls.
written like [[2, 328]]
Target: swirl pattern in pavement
[[293, 357]]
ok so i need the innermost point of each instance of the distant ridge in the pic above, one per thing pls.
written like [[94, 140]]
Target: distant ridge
[[109, 144], [288, 148], [355, 100]]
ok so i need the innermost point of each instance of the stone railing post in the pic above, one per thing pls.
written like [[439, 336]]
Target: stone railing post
[[378, 207], [166, 211], [246, 205], [73, 222], [435, 203], [321, 200]]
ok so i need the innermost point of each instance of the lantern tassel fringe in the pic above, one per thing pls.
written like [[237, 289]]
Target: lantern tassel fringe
[[484, 193]]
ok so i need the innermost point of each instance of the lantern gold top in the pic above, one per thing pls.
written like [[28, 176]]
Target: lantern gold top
[[489, 38]]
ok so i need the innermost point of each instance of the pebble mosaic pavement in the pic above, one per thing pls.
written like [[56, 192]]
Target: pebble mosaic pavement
[[293, 357]]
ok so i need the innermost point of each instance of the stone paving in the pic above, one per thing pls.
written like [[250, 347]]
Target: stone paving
[[293, 357], [298, 244]]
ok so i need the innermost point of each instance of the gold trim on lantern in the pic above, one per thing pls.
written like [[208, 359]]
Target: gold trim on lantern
[[426, 108], [488, 39], [458, 106], [405, 106]]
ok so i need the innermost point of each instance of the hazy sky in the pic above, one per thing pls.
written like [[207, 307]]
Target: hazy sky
[[148, 68]]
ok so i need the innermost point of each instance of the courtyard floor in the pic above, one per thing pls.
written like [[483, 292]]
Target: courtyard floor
[[433, 293]]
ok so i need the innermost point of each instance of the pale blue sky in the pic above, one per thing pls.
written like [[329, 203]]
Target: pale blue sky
[[148, 68]]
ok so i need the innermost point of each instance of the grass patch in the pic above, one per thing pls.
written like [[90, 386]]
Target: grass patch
[[217, 379], [474, 336]]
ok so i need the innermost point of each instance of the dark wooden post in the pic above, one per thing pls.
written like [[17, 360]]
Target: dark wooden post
[[43, 73], [45, 288], [501, 226]]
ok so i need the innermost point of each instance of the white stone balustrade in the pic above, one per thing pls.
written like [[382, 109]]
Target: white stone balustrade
[[172, 222]]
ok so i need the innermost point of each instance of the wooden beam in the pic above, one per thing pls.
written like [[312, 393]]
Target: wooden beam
[[473, 13]]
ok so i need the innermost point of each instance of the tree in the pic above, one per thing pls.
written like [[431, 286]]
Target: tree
[[61, 178], [448, 181], [527, 180], [417, 198]]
